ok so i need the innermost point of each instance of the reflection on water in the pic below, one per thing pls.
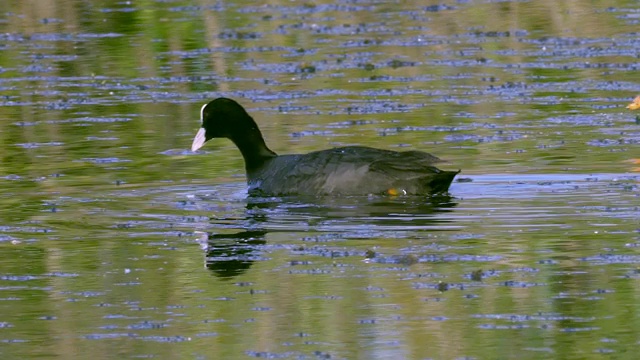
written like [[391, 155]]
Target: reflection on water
[[104, 207], [229, 255], [365, 213]]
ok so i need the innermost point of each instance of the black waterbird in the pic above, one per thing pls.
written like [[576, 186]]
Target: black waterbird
[[349, 170]]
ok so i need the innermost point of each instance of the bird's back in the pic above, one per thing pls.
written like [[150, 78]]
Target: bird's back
[[352, 170]]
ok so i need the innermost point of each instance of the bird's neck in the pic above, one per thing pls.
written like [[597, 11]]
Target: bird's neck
[[254, 149]]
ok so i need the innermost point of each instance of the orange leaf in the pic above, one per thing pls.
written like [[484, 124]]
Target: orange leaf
[[635, 105]]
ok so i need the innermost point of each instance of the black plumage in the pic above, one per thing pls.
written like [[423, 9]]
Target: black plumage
[[350, 170]]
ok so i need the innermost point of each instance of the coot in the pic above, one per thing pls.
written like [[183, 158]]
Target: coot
[[349, 170]]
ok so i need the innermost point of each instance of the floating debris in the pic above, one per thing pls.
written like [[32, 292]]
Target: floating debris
[[477, 275], [635, 104]]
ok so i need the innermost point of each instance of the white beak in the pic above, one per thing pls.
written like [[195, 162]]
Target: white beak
[[199, 140]]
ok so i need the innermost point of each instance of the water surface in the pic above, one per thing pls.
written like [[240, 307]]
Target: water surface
[[117, 242]]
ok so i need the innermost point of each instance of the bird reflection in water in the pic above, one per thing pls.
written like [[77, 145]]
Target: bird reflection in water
[[231, 254]]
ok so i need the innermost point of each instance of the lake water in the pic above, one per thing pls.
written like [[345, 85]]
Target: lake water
[[116, 241]]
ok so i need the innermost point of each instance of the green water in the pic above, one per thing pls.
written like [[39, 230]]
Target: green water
[[104, 208]]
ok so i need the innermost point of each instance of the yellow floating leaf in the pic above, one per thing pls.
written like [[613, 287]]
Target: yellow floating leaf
[[635, 105], [396, 192]]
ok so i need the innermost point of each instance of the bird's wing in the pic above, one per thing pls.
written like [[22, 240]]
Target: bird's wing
[[406, 162]]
